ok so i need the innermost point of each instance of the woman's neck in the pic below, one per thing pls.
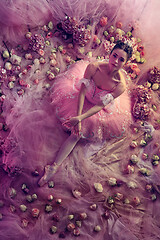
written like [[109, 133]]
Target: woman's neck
[[111, 72]]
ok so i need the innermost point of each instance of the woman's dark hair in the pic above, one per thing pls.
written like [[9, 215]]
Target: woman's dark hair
[[125, 47]]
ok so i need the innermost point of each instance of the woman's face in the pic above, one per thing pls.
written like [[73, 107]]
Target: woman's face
[[117, 59]]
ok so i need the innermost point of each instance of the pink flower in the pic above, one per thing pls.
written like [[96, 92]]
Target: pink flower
[[133, 66], [119, 24], [70, 227], [35, 212], [130, 169], [41, 52], [136, 201], [103, 21], [137, 71], [140, 48], [22, 83], [49, 35]]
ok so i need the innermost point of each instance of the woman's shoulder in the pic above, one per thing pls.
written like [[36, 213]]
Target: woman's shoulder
[[91, 69]]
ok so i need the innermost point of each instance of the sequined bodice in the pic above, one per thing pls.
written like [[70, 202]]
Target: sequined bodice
[[93, 93]]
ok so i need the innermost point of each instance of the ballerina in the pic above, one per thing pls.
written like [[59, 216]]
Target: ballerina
[[102, 83]]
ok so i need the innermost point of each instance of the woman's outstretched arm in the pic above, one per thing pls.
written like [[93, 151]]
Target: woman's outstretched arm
[[118, 91], [81, 99]]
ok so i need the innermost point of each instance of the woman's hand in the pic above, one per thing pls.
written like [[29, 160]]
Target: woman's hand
[[72, 121], [77, 129]]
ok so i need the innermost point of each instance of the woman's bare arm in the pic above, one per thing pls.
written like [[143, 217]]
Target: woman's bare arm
[[81, 98], [90, 70], [91, 111]]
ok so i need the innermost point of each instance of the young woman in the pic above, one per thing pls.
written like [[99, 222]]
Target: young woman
[[103, 82]]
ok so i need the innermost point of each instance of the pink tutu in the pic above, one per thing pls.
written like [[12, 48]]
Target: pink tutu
[[110, 122], [108, 187]]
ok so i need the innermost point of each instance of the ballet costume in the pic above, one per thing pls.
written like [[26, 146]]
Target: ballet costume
[[108, 187], [109, 123]]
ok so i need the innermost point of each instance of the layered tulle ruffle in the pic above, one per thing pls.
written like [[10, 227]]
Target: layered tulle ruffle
[[114, 183]]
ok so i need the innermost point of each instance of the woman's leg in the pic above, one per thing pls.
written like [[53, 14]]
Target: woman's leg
[[64, 151]]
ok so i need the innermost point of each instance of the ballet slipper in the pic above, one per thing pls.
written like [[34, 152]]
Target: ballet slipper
[[49, 172]]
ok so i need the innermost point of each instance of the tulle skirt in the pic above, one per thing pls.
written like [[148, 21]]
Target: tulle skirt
[[17, 17], [103, 190], [110, 122]]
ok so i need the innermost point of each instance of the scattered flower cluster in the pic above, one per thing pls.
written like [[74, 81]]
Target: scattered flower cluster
[[13, 74], [108, 46], [132, 69], [70, 25], [142, 97], [153, 78], [141, 111], [80, 34], [143, 94], [74, 221], [154, 75], [114, 33], [36, 42]]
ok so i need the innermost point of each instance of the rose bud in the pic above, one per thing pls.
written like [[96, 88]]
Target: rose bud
[[48, 208], [12, 192], [106, 214], [103, 21], [79, 223], [12, 208], [118, 24], [29, 198], [28, 35], [83, 216], [136, 201], [133, 144], [59, 201], [25, 223], [98, 187], [119, 196], [50, 184], [23, 208], [34, 196], [129, 169], [97, 228], [35, 173], [53, 229], [149, 187], [50, 197], [110, 200], [93, 207], [153, 197], [76, 232], [144, 156], [134, 159], [35, 212], [76, 193], [70, 217], [112, 181], [70, 227]]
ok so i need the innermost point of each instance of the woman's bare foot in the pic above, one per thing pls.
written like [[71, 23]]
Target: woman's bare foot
[[49, 171]]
